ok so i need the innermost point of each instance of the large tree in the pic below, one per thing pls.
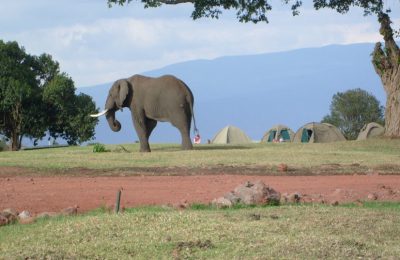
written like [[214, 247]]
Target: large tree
[[35, 98], [18, 89], [386, 59], [352, 109]]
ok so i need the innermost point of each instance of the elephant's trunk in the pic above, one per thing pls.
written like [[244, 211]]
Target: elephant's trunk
[[112, 122]]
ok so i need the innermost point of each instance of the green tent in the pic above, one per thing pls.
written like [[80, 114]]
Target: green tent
[[231, 135], [318, 133], [277, 132], [371, 130]]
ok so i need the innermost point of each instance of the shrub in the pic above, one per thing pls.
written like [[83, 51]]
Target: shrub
[[99, 148]]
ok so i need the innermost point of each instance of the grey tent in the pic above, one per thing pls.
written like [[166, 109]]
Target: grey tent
[[277, 132], [371, 130], [318, 133], [3, 145], [231, 135]]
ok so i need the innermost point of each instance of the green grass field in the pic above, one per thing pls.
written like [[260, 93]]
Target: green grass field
[[379, 155], [284, 232]]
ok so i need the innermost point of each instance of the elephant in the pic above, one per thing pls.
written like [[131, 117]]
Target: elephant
[[164, 99]]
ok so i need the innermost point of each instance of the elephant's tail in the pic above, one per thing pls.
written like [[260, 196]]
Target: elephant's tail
[[195, 130], [190, 100]]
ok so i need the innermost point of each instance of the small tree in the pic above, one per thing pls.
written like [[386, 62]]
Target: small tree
[[352, 109]]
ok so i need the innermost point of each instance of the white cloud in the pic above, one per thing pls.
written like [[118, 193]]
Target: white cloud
[[114, 43]]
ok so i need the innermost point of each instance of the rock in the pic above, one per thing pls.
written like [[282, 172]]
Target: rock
[[10, 215], [372, 196], [296, 197], [70, 211], [232, 198], [181, 205], [24, 215], [335, 203], [222, 202], [11, 211], [291, 198], [257, 193], [282, 167], [3, 220]]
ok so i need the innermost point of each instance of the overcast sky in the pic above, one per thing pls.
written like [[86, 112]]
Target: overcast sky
[[95, 44]]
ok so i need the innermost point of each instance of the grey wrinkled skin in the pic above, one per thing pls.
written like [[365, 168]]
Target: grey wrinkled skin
[[165, 99]]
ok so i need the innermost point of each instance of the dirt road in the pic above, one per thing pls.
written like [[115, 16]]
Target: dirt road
[[38, 194]]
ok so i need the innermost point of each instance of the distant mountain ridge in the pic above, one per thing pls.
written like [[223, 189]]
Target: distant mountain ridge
[[255, 92]]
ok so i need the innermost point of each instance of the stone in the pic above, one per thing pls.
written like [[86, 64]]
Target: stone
[[181, 205], [257, 193], [24, 215], [282, 167], [10, 215], [291, 198], [11, 211], [232, 197], [222, 202], [3, 220], [372, 196], [70, 211], [335, 203]]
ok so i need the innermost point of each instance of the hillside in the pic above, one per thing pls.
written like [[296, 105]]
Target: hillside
[[254, 92]]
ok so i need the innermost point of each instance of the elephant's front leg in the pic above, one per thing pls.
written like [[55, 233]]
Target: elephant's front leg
[[139, 122]]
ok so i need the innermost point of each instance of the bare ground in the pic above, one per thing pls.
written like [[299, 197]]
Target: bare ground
[[53, 190]]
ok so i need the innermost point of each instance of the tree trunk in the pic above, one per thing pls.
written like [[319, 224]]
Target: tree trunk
[[16, 121], [14, 141], [387, 65]]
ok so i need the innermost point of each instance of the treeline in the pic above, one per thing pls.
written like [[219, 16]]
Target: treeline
[[37, 98]]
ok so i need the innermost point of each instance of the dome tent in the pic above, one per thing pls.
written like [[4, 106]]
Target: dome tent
[[371, 130], [276, 132], [318, 133], [231, 135]]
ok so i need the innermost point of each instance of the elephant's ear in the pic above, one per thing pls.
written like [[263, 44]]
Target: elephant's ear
[[123, 92]]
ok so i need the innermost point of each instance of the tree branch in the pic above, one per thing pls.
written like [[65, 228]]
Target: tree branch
[[175, 2], [391, 48]]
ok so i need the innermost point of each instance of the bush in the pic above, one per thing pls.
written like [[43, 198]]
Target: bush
[[99, 148], [352, 109]]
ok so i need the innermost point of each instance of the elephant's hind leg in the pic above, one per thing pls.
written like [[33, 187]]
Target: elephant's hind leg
[[182, 122]]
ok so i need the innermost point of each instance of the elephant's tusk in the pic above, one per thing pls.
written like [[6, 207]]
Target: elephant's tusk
[[99, 114]]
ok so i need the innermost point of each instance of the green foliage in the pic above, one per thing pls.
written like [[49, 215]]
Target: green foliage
[[256, 11], [352, 109], [35, 98], [99, 148]]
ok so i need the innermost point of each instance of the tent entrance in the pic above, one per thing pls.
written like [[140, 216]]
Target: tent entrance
[[271, 136], [306, 135], [285, 135]]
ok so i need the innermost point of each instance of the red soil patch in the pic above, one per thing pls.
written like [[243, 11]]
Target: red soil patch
[[38, 194]]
